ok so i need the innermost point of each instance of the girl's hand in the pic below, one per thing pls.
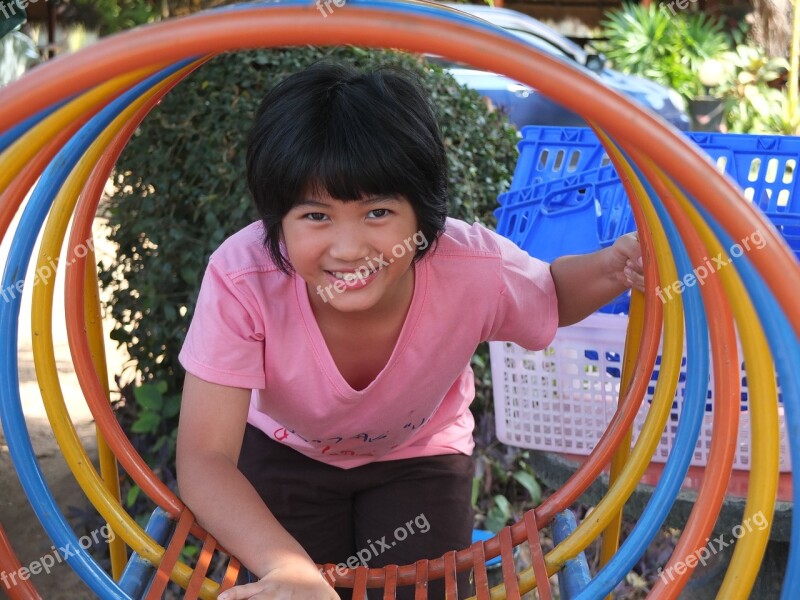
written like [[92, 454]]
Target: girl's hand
[[290, 582], [626, 261]]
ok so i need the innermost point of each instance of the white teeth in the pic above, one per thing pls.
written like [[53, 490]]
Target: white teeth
[[340, 275]]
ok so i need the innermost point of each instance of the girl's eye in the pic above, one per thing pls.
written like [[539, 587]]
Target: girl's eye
[[380, 212], [314, 216]]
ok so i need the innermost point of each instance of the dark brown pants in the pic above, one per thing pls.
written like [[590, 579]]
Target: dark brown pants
[[392, 512]]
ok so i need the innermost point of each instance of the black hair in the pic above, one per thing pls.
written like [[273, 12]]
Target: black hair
[[331, 127]]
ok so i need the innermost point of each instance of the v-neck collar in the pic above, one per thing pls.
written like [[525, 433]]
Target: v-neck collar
[[323, 354]]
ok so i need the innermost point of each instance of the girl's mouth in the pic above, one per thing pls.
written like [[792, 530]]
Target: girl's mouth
[[352, 280]]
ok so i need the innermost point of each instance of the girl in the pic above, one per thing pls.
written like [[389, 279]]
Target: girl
[[325, 413]]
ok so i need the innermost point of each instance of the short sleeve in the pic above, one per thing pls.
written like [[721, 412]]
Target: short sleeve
[[527, 307], [225, 341]]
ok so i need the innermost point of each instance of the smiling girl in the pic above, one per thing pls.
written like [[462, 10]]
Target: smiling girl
[[326, 401]]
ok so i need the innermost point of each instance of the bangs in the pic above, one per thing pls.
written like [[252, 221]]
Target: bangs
[[360, 164], [358, 148]]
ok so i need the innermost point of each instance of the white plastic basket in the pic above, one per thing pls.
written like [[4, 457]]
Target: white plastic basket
[[562, 398]]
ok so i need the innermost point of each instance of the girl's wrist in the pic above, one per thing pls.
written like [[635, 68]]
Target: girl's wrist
[[613, 267], [292, 561]]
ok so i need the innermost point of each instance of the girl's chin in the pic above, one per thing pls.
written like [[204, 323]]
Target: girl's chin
[[351, 306], [347, 300]]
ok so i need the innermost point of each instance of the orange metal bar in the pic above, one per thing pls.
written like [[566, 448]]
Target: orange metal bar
[[480, 575], [201, 568], [537, 556], [450, 580], [726, 371], [171, 556], [360, 582], [509, 568], [88, 379], [15, 193], [108, 462], [421, 583], [231, 574], [390, 587], [9, 563]]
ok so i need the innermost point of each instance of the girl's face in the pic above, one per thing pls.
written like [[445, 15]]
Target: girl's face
[[355, 257]]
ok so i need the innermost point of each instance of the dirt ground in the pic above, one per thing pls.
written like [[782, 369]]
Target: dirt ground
[[25, 533]]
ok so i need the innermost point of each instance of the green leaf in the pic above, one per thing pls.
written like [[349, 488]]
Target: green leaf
[[499, 514], [147, 422], [495, 520], [160, 443], [149, 396], [504, 505], [133, 494], [529, 482], [172, 407]]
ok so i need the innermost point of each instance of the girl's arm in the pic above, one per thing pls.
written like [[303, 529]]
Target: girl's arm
[[212, 423], [586, 282]]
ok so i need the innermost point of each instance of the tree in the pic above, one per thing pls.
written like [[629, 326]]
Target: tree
[[110, 16], [772, 26]]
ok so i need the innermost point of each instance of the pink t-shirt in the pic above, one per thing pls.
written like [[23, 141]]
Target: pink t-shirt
[[253, 327]]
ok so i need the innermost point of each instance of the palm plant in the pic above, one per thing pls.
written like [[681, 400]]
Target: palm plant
[[669, 49], [753, 105]]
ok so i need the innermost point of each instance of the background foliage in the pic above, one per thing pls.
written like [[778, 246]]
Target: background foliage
[[695, 55], [111, 16], [181, 191], [670, 49]]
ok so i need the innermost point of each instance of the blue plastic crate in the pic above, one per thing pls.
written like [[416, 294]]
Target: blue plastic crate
[[536, 191], [753, 161], [764, 166], [578, 219], [518, 207], [547, 153], [566, 197]]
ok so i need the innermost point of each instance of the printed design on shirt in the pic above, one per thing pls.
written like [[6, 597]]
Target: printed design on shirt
[[360, 444], [413, 425]]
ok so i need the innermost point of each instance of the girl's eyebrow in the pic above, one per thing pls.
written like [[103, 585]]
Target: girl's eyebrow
[[309, 202], [372, 200], [381, 198]]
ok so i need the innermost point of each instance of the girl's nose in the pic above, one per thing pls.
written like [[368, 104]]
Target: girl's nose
[[349, 247]]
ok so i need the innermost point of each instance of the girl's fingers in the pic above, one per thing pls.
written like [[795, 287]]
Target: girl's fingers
[[242, 592]]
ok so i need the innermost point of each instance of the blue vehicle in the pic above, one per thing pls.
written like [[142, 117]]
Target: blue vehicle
[[525, 106]]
